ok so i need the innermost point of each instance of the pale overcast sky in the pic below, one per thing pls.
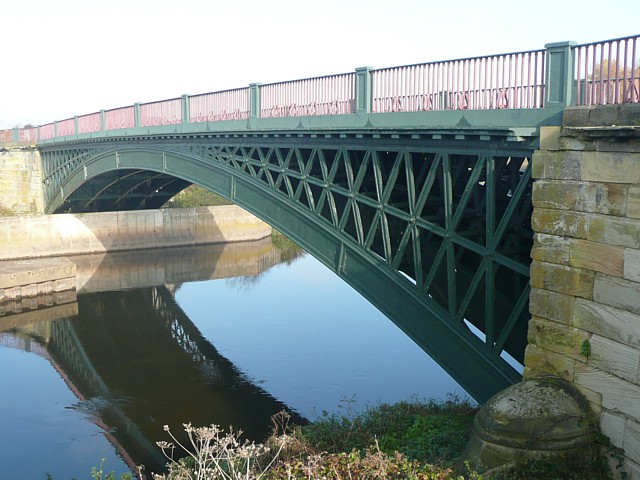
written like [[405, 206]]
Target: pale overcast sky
[[71, 57]]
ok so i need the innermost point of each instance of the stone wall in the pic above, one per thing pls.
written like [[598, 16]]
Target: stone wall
[[21, 180], [585, 275], [73, 234]]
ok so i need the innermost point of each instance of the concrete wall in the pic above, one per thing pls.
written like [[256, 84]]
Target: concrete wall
[[73, 234], [585, 275], [21, 180]]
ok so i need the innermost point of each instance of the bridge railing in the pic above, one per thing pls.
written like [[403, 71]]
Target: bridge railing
[[164, 112], [330, 95], [608, 72], [513, 80], [90, 123], [562, 74], [219, 106]]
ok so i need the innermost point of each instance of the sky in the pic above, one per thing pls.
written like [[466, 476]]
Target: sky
[[73, 57]]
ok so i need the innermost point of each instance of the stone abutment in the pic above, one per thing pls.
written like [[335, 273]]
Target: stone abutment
[[585, 275]]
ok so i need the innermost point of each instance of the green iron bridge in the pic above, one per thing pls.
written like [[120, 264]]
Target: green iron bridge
[[412, 183]]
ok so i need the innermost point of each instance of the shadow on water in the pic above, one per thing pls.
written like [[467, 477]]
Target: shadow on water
[[135, 360]]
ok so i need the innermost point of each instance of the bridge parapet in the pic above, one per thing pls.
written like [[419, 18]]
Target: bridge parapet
[[585, 275], [560, 75]]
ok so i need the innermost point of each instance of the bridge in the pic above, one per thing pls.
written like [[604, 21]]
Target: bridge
[[412, 183]]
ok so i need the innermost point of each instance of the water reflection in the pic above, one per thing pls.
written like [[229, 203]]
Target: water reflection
[[203, 335], [132, 357]]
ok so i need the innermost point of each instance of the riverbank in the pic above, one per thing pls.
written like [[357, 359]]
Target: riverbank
[[40, 236], [421, 440]]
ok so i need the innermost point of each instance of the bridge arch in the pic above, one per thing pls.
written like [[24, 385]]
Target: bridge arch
[[393, 216]]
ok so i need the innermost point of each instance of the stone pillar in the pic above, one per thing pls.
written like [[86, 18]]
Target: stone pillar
[[585, 275], [21, 180]]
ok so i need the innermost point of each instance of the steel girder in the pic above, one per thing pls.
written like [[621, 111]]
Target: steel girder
[[433, 229]]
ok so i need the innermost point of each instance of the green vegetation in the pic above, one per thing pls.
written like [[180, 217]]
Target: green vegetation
[[289, 250], [409, 440], [196, 196], [6, 212], [432, 432], [412, 440]]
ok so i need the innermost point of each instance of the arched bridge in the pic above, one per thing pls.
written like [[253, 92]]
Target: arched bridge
[[412, 183]]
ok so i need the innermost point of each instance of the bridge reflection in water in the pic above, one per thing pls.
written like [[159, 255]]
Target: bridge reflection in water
[[134, 358]]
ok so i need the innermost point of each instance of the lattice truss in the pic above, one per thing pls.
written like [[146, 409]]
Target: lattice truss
[[451, 220], [122, 189], [455, 224]]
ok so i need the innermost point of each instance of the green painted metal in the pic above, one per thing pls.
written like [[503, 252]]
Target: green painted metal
[[254, 100], [432, 226], [560, 74], [519, 124], [363, 89]]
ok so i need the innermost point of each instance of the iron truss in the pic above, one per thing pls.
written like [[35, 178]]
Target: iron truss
[[433, 228]]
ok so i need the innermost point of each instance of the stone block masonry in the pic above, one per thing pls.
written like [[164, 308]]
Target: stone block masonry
[[21, 180], [31, 284], [73, 234], [585, 273]]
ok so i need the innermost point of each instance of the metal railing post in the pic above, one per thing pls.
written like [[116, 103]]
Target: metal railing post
[[103, 126], [55, 129], [254, 100], [136, 114], [15, 133], [75, 125], [186, 114], [363, 89], [560, 66]]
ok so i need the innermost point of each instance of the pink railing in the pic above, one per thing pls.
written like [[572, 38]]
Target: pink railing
[[47, 131], [29, 134], [89, 123], [124, 117], [608, 72], [218, 106], [165, 112], [331, 95], [514, 80], [66, 127]]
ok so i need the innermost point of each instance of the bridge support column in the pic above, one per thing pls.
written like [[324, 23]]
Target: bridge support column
[[585, 275]]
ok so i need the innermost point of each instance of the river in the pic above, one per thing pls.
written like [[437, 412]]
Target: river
[[226, 334]]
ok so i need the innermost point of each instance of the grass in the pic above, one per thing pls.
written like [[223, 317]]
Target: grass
[[428, 431], [196, 196], [415, 440], [411, 440]]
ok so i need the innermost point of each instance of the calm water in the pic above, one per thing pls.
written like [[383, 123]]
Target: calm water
[[225, 335]]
